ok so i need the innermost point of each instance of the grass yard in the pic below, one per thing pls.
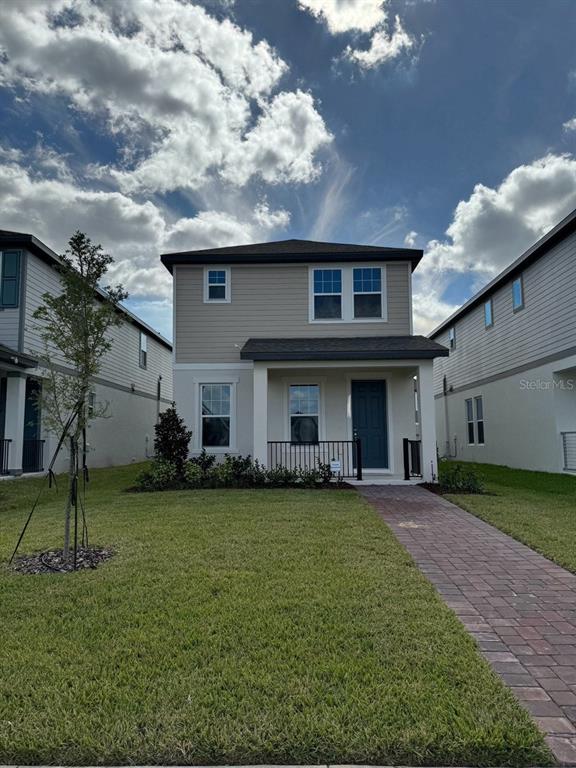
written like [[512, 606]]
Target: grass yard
[[537, 508], [279, 626]]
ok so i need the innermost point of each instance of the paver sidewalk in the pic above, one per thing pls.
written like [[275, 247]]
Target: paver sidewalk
[[520, 607]]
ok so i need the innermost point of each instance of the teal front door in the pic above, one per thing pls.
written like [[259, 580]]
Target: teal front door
[[369, 422]]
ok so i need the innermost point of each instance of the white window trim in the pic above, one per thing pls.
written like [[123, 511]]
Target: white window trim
[[491, 323], [348, 293], [295, 380], [227, 287], [520, 307], [475, 421], [197, 426], [470, 421], [143, 348]]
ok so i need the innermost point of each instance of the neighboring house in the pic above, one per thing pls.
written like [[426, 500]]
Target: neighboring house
[[290, 350], [507, 392], [135, 377]]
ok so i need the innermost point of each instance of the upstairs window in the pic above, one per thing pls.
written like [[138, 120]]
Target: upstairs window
[[367, 282], [143, 350], [488, 314], [304, 412], [216, 413], [9, 279], [452, 338], [217, 285], [327, 294], [517, 295]]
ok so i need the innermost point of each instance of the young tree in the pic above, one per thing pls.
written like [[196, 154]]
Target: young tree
[[172, 439], [75, 326]]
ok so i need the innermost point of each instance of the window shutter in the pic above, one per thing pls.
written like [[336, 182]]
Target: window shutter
[[10, 279]]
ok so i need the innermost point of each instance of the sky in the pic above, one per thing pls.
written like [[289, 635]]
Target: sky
[[164, 125]]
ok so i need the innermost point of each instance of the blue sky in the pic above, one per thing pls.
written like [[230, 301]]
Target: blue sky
[[158, 125]]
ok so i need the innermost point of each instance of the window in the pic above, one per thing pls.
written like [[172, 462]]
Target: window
[[488, 314], [475, 420], [216, 415], [517, 294], [9, 279], [367, 283], [143, 359], [304, 412], [479, 420], [91, 404], [327, 294], [217, 285], [470, 421], [452, 337]]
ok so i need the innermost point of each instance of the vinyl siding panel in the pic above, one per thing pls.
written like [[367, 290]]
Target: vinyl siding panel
[[268, 301], [9, 327], [546, 326], [121, 364]]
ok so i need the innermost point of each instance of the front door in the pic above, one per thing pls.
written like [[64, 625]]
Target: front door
[[31, 455], [369, 422]]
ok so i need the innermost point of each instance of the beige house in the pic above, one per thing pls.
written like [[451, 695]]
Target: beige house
[[135, 380], [298, 351], [507, 392]]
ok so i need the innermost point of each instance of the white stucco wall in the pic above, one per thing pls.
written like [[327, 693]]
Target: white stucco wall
[[524, 415]]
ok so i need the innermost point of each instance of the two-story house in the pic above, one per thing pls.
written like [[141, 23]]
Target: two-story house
[[298, 351], [507, 392], [135, 378]]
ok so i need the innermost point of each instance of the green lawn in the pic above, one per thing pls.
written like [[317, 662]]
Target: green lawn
[[537, 508], [239, 627]]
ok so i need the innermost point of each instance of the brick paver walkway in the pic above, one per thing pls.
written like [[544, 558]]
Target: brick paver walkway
[[520, 607]]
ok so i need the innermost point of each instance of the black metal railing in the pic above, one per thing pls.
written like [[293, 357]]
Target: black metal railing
[[33, 456], [569, 450], [4, 454], [347, 454], [412, 452]]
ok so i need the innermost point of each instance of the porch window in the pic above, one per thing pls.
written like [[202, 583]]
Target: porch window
[[327, 294], [217, 285], [367, 292], [216, 415], [304, 412]]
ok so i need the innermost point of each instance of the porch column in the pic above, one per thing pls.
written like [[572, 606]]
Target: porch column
[[427, 422], [261, 413], [14, 420]]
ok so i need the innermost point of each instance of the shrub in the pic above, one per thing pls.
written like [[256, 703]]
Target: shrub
[[309, 477], [326, 473], [281, 476], [172, 439], [160, 476], [456, 478], [205, 461], [193, 475]]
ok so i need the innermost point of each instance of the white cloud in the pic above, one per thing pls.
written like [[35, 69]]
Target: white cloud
[[135, 233], [386, 42], [410, 239], [346, 15], [384, 46], [492, 228], [189, 92], [570, 125]]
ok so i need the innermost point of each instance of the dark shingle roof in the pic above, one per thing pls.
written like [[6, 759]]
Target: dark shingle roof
[[354, 348], [18, 359], [291, 251]]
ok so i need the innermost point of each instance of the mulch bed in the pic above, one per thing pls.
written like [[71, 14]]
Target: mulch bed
[[53, 561]]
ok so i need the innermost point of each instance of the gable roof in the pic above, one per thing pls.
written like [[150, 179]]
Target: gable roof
[[9, 239], [558, 233], [345, 348], [291, 252]]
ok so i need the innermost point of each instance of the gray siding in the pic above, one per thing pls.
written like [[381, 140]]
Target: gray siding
[[546, 326], [121, 364], [267, 301], [9, 326]]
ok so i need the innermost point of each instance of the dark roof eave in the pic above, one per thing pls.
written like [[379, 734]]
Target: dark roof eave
[[359, 355], [564, 228], [17, 359]]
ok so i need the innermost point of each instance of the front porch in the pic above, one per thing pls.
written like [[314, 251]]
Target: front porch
[[21, 446], [372, 421]]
